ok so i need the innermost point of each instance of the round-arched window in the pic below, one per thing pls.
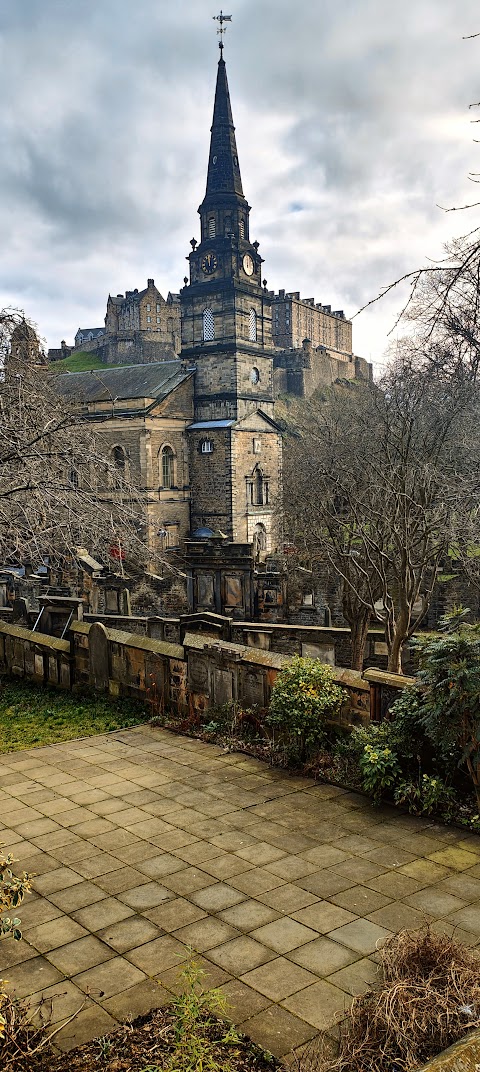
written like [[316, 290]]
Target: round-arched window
[[119, 459], [167, 467]]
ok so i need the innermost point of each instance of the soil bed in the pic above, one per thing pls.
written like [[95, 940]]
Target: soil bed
[[148, 1043]]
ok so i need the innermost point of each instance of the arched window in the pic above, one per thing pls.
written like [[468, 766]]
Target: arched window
[[252, 326], [167, 467], [119, 459], [208, 325], [211, 227], [73, 478], [258, 488], [207, 446]]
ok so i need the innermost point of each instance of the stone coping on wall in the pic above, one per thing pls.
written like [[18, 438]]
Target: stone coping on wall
[[134, 640], [42, 639], [463, 1056], [200, 642], [287, 627], [352, 678], [382, 677]]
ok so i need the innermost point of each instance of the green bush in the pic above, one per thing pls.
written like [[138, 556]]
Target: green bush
[[200, 1039], [426, 796], [304, 696], [12, 891], [448, 694], [380, 770]]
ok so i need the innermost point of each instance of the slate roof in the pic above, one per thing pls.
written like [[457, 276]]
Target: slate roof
[[203, 425], [155, 381]]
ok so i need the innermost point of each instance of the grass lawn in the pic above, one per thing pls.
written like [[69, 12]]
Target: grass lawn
[[31, 716], [80, 362]]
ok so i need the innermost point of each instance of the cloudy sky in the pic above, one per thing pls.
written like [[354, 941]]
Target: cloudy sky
[[353, 127]]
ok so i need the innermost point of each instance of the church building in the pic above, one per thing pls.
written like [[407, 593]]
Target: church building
[[197, 432]]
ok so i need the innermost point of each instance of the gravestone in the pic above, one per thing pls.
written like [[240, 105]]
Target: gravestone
[[20, 611], [98, 657]]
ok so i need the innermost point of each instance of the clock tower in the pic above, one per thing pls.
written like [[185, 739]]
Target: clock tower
[[226, 311], [235, 445]]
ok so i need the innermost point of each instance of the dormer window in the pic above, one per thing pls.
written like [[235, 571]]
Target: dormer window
[[211, 227], [207, 446]]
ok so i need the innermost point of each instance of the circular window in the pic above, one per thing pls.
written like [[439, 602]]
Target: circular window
[[254, 375]]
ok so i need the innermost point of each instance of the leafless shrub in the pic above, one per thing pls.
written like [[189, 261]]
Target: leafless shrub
[[429, 999]]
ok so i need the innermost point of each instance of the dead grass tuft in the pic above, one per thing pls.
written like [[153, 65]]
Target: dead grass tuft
[[430, 998]]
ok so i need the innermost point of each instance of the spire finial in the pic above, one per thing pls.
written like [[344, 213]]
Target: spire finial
[[221, 18]]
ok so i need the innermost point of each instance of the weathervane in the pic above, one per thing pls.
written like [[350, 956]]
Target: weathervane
[[221, 18]]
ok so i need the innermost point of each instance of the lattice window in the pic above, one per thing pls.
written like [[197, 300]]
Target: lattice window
[[211, 227], [241, 228], [252, 326], [208, 325]]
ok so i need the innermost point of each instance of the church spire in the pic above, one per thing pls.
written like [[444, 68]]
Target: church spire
[[223, 168]]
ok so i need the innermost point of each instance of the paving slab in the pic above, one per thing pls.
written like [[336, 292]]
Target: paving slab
[[278, 979], [356, 978], [321, 1005], [277, 1030], [158, 845]]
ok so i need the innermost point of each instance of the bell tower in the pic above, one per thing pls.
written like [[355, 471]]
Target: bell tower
[[226, 310], [235, 446]]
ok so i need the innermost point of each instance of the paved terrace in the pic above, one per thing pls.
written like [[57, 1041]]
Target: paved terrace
[[145, 844]]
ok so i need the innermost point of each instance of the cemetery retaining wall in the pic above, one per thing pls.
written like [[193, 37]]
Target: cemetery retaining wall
[[202, 672]]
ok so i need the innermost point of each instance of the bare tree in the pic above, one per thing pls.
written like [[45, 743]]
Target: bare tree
[[59, 488], [324, 484], [387, 481]]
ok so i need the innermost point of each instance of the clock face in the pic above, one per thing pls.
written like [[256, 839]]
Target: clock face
[[248, 265], [209, 263]]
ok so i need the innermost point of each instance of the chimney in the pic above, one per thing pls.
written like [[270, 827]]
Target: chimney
[[150, 282]]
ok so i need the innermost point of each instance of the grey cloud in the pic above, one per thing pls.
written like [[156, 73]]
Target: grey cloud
[[356, 111]]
